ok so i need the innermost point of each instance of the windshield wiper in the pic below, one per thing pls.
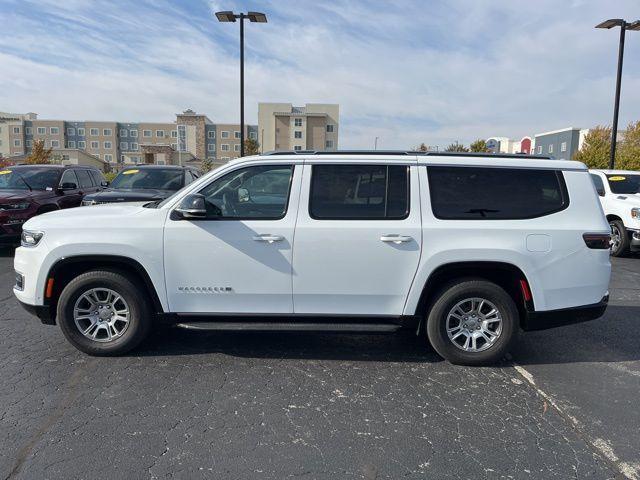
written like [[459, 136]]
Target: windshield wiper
[[24, 181], [153, 204]]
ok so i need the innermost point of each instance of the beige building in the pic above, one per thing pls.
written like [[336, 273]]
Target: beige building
[[281, 126], [74, 156], [12, 133]]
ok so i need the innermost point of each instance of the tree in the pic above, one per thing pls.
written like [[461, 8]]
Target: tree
[[478, 146], [207, 165], [628, 151], [456, 147], [421, 148], [39, 154], [4, 162], [251, 147], [595, 148]]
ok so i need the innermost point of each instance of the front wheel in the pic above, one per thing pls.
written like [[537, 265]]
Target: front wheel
[[619, 239], [472, 322], [103, 313]]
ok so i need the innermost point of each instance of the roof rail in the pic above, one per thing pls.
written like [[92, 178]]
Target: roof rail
[[407, 152]]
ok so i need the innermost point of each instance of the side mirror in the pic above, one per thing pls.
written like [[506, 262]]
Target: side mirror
[[68, 186], [191, 207], [104, 184]]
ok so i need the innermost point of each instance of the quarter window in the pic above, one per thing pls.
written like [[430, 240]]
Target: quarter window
[[470, 193], [258, 192], [359, 192]]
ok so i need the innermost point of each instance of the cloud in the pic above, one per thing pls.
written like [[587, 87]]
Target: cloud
[[407, 72]]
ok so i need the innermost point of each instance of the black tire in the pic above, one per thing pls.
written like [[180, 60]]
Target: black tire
[[622, 247], [139, 324], [448, 298]]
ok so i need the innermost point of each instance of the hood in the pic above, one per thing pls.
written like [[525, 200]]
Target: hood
[[632, 199], [112, 195], [18, 195]]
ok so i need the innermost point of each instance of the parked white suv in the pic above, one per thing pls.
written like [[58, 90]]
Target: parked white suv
[[619, 192], [463, 249]]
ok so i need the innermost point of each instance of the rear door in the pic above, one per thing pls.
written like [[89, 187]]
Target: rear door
[[71, 197], [358, 237]]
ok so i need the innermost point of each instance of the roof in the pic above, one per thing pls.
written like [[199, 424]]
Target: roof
[[404, 152], [56, 166], [145, 166], [552, 132], [613, 172]]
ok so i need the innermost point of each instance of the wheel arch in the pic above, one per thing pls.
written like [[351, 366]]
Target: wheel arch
[[506, 275], [611, 217]]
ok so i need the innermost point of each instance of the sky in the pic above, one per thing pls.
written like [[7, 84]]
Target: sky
[[432, 71]]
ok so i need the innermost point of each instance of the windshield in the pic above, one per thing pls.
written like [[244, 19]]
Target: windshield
[[148, 179], [28, 178], [624, 183]]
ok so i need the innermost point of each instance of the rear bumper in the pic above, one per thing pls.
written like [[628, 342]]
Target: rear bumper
[[564, 316], [43, 312]]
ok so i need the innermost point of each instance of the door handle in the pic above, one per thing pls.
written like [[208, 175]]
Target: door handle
[[394, 238], [267, 237]]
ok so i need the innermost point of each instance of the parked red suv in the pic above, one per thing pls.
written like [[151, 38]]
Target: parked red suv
[[29, 190]]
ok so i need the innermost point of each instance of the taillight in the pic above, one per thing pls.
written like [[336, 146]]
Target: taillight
[[599, 241]]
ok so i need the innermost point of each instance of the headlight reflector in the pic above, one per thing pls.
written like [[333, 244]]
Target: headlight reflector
[[30, 238], [635, 213], [15, 206]]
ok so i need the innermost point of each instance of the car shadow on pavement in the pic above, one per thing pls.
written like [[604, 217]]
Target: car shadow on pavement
[[6, 252], [399, 347], [615, 337]]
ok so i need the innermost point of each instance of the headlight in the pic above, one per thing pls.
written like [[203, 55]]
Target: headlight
[[635, 213], [30, 238], [15, 206], [88, 202]]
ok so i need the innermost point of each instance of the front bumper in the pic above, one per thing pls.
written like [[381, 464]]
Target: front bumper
[[634, 240], [564, 316], [43, 312]]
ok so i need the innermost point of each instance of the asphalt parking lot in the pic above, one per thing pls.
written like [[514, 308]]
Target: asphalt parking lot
[[248, 405]]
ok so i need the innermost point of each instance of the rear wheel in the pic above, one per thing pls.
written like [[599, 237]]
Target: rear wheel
[[472, 322], [103, 313], [619, 239]]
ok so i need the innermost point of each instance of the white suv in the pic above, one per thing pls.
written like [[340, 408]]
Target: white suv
[[463, 249], [619, 192]]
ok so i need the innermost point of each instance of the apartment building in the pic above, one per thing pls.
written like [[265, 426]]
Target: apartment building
[[191, 137], [282, 126]]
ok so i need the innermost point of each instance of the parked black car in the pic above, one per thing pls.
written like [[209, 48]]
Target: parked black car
[[144, 183], [29, 190]]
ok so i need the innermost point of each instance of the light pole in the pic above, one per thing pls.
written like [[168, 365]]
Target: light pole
[[375, 144], [624, 26], [255, 17]]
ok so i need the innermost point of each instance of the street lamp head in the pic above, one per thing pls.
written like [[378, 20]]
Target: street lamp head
[[634, 26], [613, 22], [257, 17], [226, 16]]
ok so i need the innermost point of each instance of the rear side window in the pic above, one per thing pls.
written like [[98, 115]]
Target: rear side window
[[359, 192], [96, 176], [477, 193], [84, 178]]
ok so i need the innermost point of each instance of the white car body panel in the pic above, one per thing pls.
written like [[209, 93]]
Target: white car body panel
[[618, 204]]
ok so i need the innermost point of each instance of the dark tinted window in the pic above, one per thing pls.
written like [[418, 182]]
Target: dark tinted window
[[599, 184], [97, 177], [495, 193], [624, 183], [69, 176], [25, 178], [149, 178], [260, 192], [84, 178], [359, 191]]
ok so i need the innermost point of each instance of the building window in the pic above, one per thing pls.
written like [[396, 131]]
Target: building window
[[174, 134], [174, 146], [124, 145], [236, 134], [82, 144], [55, 131], [224, 147], [551, 148], [160, 133], [224, 134], [55, 144], [539, 149], [563, 147], [225, 159], [28, 130], [297, 134], [97, 155], [17, 143], [328, 144], [134, 146], [42, 130], [94, 132], [16, 129], [133, 133], [211, 134], [135, 159], [107, 145], [29, 143], [95, 145], [71, 131], [107, 132], [124, 132], [108, 157], [71, 144], [81, 132], [297, 148], [253, 135], [236, 148], [329, 128], [146, 133], [211, 147], [297, 122]]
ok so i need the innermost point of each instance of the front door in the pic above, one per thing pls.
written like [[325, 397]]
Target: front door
[[238, 260], [70, 197], [358, 238]]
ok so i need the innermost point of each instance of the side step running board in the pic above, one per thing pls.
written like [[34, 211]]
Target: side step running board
[[291, 326]]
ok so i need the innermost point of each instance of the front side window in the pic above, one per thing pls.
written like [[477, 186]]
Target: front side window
[[69, 177], [628, 184], [359, 192], [149, 178], [477, 193], [258, 192]]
